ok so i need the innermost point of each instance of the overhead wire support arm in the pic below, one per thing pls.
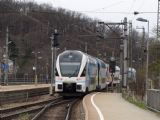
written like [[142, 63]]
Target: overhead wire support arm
[[118, 23], [108, 24], [125, 46], [112, 28]]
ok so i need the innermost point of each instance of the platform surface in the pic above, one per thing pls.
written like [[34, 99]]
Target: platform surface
[[111, 106], [22, 87]]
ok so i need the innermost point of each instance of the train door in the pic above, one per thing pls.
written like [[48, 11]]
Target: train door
[[98, 87], [92, 74]]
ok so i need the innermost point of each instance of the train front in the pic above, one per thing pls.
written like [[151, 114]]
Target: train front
[[69, 74]]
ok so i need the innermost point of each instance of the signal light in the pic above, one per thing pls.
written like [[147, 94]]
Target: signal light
[[54, 39], [56, 43]]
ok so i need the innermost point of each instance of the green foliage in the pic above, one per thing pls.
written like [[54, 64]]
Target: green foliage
[[24, 116], [134, 101], [154, 68], [154, 74]]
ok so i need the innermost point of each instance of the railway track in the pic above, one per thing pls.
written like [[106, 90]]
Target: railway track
[[78, 112], [9, 113], [57, 110]]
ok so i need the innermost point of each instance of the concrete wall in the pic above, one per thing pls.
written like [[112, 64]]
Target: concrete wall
[[21, 96]]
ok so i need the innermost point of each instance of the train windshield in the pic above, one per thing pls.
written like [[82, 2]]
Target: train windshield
[[70, 64], [70, 69]]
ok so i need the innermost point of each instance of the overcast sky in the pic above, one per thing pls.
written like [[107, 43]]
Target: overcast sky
[[100, 9]]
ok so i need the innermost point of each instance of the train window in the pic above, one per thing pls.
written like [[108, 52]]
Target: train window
[[91, 69], [84, 72], [70, 63], [103, 65], [56, 72], [69, 69], [70, 57]]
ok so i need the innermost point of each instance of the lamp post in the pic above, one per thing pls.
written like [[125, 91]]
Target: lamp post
[[6, 58], [35, 67], [147, 46], [142, 45]]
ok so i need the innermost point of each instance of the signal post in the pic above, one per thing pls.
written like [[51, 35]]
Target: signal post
[[112, 69], [54, 44]]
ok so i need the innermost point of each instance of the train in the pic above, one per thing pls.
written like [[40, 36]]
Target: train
[[131, 75], [116, 77], [79, 73]]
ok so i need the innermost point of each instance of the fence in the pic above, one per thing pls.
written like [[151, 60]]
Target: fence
[[25, 79], [153, 99]]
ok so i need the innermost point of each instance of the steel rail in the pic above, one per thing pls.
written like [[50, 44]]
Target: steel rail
[[70, 108], [52, 104], [27, 108]]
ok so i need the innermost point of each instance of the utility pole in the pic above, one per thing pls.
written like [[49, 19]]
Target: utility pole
[[46, 71], [86, 47], [158, 21], [54, 63], [35, 63], [158, 32], [1, 57], [35, 68], [130, 44], [142, 46], [121, 62], [112, 75], [125, 59], [147, 62], [6, 58], [51, 87], [131, 49]]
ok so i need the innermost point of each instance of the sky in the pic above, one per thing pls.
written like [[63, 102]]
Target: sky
[[112, 10]]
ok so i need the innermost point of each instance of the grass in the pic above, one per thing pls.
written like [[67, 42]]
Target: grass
[[24, 116], [134, 101]]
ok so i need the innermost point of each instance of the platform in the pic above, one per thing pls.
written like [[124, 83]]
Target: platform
[[111, 106], [16, 93], [22, 87]]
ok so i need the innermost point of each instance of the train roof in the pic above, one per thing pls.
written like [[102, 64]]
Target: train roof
[[87, 55], [77, 51]]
